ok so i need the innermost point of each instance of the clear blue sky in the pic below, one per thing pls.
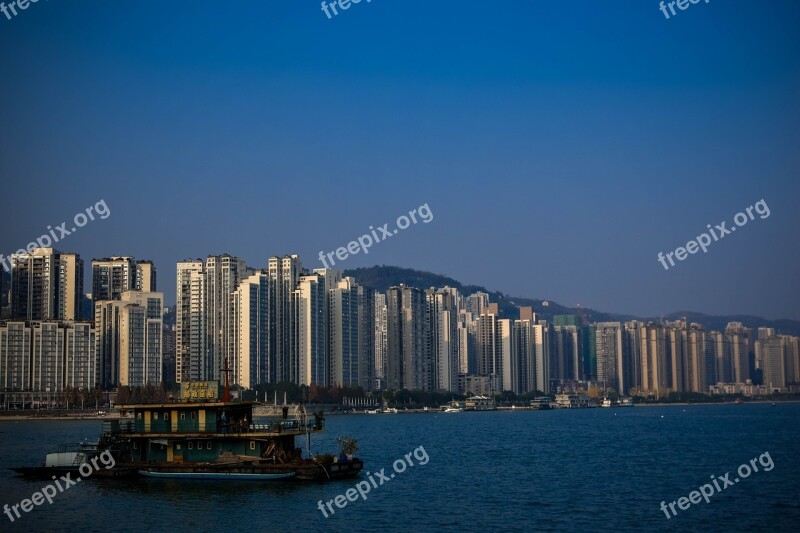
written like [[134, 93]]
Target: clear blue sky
[[560, 145]]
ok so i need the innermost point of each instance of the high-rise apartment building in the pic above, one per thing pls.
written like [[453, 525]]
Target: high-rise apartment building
[[493, 350], [610, 361], [313, 344], [46, 285], [632, 355], [380, 341], [772, 350], [476, 303], [523, 347], [15, 356], [169, 365], [564, 353], [111, 276], [190, 321], [284, 274], [588, 350], [407, 344], [443, 312], [47, 356], [80, 356], [250, 360], [792, 358], [47, 362], [344, 319], [655, 359], [152, 340], [700, 360], [223, 274], [145, 277], [129, 336], [721, 354], [366, 337]]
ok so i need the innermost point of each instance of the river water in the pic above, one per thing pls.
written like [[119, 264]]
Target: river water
[[584, 470]]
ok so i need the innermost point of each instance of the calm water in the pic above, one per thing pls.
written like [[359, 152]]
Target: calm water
[[596, 469]]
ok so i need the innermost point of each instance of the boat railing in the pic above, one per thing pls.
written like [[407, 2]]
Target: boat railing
[[272, 419], [115, 427], [84, 447]]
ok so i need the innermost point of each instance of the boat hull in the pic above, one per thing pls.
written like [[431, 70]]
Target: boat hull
[[228, 476]]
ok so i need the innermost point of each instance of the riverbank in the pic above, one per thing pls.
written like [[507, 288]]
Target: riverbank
[[339, 412], [6, 418]]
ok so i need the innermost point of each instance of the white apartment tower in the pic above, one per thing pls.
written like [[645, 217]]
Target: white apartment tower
[[46, 285], [190, 321]]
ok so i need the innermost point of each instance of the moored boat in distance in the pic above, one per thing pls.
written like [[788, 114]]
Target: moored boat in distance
[[572, 401], [542, 403], [480, 403]]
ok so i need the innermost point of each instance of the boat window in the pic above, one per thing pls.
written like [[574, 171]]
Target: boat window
[[194, 415], [166, 416], [138, 416], [208, 446], [135, 445], [252, 445], [155, 416], [183, 416], [191, 445], [177, 446]]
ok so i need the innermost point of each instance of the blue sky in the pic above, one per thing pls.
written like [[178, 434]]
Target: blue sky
[[560, 145]]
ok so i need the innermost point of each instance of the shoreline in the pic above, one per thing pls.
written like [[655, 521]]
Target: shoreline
[[105, 418], [9, 418]]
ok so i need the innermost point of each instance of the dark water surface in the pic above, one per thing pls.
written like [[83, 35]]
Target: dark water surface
[[581, 470]]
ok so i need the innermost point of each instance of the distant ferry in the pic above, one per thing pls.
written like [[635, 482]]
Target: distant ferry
[[572, 401], [542, 403], [480, 403]]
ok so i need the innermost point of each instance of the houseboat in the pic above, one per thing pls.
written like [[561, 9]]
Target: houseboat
[[203, 436]]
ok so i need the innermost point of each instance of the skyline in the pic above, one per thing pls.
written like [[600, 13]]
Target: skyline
[[288, 325], [169, 298], [561, 152]]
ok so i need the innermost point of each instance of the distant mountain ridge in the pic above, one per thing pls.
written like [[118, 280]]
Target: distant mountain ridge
[[382, 277]]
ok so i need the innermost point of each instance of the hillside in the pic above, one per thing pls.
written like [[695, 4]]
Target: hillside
[[382, 277]]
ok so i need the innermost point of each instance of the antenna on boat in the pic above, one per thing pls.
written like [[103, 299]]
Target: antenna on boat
[[226, 396]]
